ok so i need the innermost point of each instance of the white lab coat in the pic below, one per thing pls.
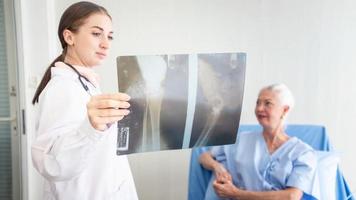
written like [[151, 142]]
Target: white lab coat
[[77, 161]]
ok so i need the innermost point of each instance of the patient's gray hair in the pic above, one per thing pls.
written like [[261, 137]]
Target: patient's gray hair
[[285, 96]]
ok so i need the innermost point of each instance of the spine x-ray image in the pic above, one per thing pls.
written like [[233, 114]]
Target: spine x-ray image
[[180, 101]]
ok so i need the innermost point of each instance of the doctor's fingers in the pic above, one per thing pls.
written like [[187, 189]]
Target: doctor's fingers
[[115, 96], [107, 103], [99, 121], [111, 112]]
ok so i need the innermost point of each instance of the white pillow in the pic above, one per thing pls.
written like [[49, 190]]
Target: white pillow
[[326, 173]]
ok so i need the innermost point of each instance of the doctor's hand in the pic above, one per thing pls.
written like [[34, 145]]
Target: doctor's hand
[[105, 109]]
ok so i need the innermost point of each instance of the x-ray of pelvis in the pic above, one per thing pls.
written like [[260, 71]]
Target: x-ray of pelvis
[[180, 101]]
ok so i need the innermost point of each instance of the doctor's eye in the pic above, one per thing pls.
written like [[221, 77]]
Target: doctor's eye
[[96, 34], [110, 37]]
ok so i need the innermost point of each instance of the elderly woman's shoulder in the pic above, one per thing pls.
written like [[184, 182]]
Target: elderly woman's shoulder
[[301, 144], [300, 148], [249, 134], [248, 138]]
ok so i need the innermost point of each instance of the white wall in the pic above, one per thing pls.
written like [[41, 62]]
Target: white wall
[[308, 45]]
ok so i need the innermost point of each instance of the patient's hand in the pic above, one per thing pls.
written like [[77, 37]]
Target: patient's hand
[[221, 174], [225, 189]]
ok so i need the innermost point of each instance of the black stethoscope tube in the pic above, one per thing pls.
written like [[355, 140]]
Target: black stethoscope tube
[[86, 88]]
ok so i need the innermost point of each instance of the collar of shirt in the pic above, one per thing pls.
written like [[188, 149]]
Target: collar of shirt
[[87, 72]]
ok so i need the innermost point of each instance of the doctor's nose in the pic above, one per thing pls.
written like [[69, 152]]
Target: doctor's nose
[[105, 43]]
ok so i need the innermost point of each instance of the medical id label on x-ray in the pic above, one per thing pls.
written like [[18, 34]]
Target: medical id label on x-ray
[[123, 138]]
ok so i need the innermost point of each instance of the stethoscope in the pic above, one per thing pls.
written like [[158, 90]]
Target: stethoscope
[[85, 86]]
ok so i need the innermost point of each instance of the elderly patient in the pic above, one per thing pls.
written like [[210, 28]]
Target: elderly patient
[[267, 164]]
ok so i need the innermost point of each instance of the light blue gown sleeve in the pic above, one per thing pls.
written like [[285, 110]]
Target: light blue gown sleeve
[[218, 152], [225, 152], [304, 172]]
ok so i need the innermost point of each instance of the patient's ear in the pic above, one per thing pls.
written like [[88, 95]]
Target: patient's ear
[[285, 111]]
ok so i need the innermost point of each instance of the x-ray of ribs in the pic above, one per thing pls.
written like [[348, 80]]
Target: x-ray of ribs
[[153, 70], [210, 87]]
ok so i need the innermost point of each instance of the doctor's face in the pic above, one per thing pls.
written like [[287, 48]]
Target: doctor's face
[[90, 44], [269, 110]]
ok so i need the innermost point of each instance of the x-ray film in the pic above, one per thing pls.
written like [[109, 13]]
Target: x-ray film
[[180, 101]]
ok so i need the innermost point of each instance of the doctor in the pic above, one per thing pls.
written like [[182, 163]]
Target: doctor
[[75, 145], [263, 165]]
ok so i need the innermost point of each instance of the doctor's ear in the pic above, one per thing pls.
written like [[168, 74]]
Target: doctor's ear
[[68, 37]]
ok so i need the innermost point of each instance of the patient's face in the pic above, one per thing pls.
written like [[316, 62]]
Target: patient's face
[[268, 109]]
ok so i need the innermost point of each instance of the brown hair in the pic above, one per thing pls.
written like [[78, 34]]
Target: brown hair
[[72, 18]]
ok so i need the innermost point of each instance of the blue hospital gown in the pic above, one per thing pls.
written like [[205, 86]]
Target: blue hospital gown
[[253, 168]]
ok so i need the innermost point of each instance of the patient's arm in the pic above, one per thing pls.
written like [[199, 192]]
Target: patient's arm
[[229, 190], [208, 162]]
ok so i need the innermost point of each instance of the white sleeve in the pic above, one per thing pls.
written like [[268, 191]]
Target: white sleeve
[[65, 139]]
